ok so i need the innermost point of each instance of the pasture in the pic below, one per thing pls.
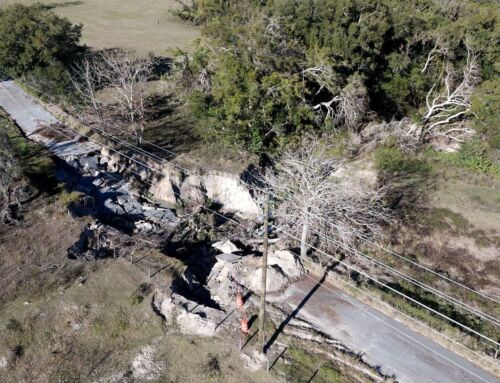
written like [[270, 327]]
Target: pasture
[[143, 25]]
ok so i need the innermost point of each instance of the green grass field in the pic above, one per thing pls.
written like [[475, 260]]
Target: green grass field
[[144, 25]]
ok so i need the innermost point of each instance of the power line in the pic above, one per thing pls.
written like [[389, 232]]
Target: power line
[[365, 239], [329, 255], [360, 236], [411, 280], [407, 278], [390, 288], [156, 171], [371, 296], [311, 246], [404, 276], [360, 307], [405, 334]]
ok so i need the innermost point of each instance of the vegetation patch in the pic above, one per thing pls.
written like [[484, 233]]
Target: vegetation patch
[[301, 364], [36, 163]]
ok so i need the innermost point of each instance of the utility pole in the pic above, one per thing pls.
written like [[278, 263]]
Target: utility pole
[[262, 313]]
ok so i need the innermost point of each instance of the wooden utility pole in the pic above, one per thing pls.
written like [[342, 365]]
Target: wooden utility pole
[[262, 314]]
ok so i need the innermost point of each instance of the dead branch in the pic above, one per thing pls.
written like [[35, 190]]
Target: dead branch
[[347, 106], [123, 77], [314, 188], [454, 101]]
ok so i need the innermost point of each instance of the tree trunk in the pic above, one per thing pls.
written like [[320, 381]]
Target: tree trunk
[[305, 231]]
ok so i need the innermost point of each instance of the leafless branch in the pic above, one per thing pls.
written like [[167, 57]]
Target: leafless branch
[[348, 105], [314, 187], [123, 76], [454, 100]]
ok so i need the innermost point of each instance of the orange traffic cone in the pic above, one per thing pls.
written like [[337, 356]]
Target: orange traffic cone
[[244, 326], [239, 301]]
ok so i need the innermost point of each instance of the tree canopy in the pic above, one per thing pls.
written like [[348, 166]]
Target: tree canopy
[[266, 72], [33, 37]]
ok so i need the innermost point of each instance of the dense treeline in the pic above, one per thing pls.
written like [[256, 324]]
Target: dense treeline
[[268, 71]]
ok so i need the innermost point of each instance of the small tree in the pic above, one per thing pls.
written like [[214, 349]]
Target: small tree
[[87, 82], [313, 188], [124, 76]]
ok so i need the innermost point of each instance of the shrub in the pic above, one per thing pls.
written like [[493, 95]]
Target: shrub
[[140, 293], [212, 366], [474, 155], [486, 108], [53, 80], [392, 161], [67, 198], [32, 36]]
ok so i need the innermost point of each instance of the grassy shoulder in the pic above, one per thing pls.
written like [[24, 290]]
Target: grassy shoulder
[[300, 365]]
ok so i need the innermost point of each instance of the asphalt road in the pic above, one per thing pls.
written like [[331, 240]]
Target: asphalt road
[[387, 343], [22, 107], [28, 114]]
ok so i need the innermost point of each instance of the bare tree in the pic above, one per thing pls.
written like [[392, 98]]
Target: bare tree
[[126, 75], [122, 76], [453, 102], [314, 188], [87, 82]]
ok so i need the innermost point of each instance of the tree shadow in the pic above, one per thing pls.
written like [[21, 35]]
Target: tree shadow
[[294, 313]]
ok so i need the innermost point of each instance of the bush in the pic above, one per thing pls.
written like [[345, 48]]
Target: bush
[[486, 108], [392, 161], [473, 155], [54, 81], [67, 198], [212, 366], [140, 293], [32, 36]]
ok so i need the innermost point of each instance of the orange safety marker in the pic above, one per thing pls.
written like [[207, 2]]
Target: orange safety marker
[[239, 301], [244, 326]]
